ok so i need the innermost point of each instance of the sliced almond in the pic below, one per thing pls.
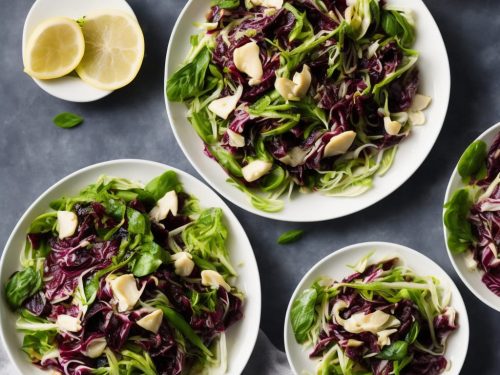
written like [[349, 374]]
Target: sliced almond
[[213, 279], [247, 60], [339, 144], [302, 81], [168, 203], [223, 107], [420, 102], [256, 169], [417, 118], [183, 263], [152, 321], [235, 139], [391, 127], [67, 222]]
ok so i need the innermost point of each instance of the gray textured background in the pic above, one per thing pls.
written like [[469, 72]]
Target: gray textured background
[[132, 123]]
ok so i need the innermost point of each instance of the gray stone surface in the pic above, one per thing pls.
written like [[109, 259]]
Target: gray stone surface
[[132, 123]]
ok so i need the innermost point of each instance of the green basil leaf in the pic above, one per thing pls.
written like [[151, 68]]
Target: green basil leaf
[[290, 236], [162, 184], [459, 228], [137, 222], [394, 352], [149, 257], [43, 223], [114, 208], [189, 80], [473, 158], [303, 314], [22, 285], [67, 120]]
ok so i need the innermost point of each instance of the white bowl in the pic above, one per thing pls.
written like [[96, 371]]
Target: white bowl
[[240, 338], [335, 266], [435, 82], [69, 87], [472, 279]]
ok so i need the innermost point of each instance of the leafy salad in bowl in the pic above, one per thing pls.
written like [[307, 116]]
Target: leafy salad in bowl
[[472, 214], [382, 318], [126, 278], [300, 94]]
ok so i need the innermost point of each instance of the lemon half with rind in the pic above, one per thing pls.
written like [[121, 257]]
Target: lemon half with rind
[[54, 48], [114, 49]]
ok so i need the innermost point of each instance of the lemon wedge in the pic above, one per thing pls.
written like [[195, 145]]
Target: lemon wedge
[[114, 50], [54, 49]]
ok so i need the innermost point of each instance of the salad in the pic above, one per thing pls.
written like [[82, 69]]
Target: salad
[[126, 279], [307, 95], [472, 215], [383, 319]]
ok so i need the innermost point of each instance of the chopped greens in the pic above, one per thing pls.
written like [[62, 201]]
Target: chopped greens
[[123, 291], [472, 214], [381, 319], [301, 95]]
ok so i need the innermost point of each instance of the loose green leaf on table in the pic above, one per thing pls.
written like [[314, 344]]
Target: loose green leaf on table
[[67, 120], [290, 236]]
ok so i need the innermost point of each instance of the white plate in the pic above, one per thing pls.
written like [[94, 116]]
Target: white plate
[[335, 266], [435, 82], [69, 87], [241, 337], [472, 279]]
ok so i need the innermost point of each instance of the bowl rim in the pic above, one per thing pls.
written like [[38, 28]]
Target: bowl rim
[[230, 216], [454, 178], [245, 204], [464, 323]]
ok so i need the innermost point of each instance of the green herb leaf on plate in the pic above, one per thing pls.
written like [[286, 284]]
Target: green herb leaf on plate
[[472, 160], [67, 120], [302, 314], [394, 352]]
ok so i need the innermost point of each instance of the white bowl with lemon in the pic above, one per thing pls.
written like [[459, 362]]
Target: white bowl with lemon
[[79, 51]]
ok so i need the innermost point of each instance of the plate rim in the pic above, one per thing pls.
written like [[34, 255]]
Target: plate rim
[[354, 247], [245, 204], [228, 213], [454, 179], [37, 6]]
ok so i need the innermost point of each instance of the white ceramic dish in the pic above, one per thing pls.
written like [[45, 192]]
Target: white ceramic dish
[[240, 338], [435, 76], [69, 87], [472, 279], [334, 265]]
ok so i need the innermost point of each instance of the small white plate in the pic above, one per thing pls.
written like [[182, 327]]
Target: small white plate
[[240, 338], [435, 82], [69, 87], [472, 279], [335, 266]]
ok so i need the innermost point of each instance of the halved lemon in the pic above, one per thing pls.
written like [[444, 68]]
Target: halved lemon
[[114, 50], [54, 49]]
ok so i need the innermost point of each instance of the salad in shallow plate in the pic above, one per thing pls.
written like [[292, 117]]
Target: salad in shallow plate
[[471, 217], [376, 308], [300, 95], [131, 278]]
